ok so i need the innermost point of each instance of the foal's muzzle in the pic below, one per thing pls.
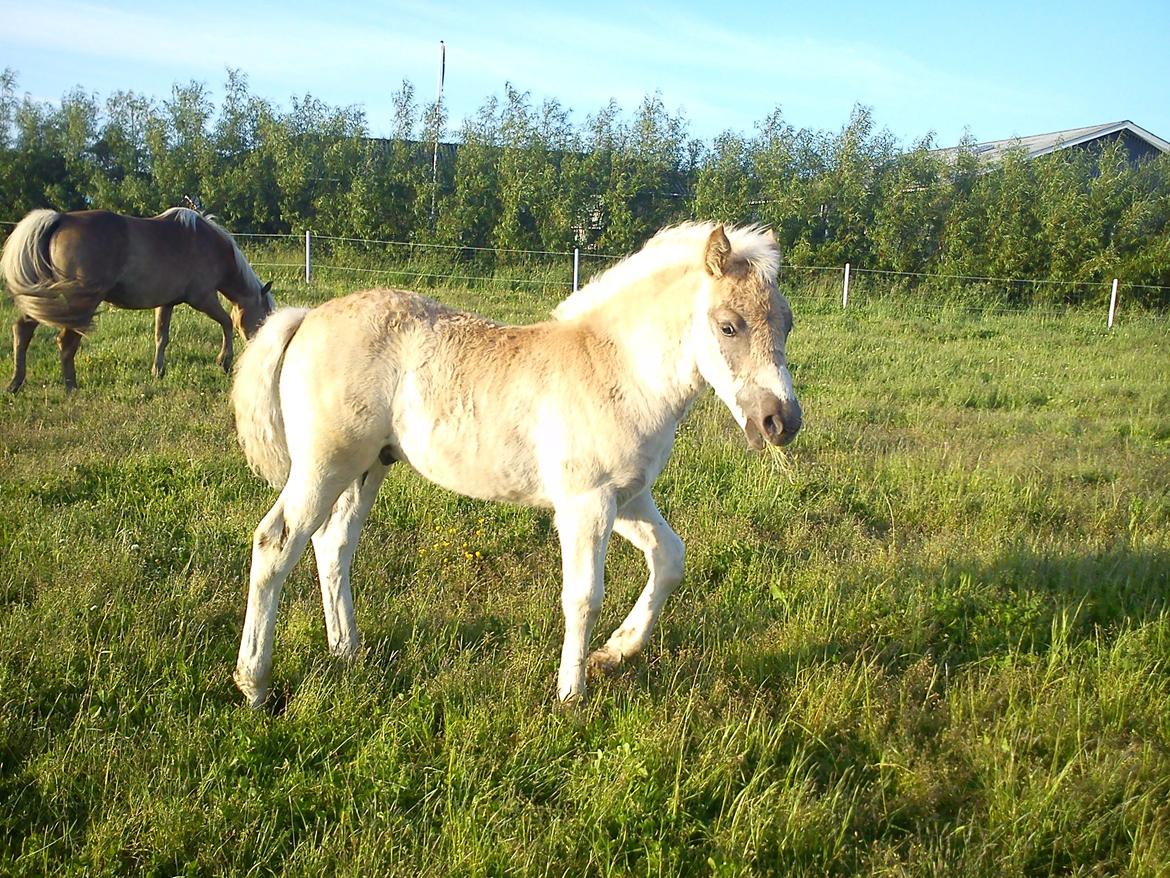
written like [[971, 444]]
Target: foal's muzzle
[[770, 419]]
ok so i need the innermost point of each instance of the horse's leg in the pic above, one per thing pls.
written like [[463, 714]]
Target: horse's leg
[[69, 340], [22, 333], [210, 306], [334, 544], [584, 526], [162, 337], [277, 545], [640, 522]]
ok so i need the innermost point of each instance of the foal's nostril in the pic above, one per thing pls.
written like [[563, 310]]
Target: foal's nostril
[[773, 427]]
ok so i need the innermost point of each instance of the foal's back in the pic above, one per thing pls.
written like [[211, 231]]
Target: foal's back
[[495, 411]]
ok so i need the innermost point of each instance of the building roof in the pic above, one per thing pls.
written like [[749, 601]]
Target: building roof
[[1042, 144]]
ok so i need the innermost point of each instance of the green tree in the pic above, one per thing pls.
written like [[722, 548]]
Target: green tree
[[241, 188], [470, 213], [181, 154], [1012, 224], [910, 210], [847, 190], [121, 178], [725, 188]]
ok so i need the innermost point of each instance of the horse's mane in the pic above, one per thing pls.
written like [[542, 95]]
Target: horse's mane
[[191, 219], [676, 245]]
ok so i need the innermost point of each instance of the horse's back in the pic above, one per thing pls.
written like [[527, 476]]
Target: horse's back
[[90, 247]]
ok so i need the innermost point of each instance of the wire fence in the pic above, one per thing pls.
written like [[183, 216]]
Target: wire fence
[[311, 258]]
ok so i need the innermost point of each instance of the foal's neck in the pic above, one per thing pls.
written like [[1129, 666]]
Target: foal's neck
[[652, 330]]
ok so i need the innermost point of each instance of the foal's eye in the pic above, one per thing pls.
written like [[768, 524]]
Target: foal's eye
[[727, 329]]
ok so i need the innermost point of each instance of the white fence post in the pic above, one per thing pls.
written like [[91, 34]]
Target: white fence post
[[576, 266], [1113, 303], [308, 256], [845, 290]]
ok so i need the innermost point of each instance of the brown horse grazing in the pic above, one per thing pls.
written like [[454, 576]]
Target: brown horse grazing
[[59, 267]]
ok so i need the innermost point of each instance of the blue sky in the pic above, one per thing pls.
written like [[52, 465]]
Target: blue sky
[[997, 69]]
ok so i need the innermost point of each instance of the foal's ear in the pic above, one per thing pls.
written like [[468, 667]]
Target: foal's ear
[[718, 249]]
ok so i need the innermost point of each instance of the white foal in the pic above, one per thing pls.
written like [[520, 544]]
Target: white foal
[[577, 414]]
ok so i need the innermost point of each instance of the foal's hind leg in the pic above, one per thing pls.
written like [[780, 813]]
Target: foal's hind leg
[[640, 522], [69, 340], [334, 544], [22, 333], [162, 337], [277, 545]]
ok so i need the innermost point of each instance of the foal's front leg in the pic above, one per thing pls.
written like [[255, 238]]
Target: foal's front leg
[[640, 522], [584, 525]]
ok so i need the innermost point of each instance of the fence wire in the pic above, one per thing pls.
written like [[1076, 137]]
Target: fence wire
[[818, 285]]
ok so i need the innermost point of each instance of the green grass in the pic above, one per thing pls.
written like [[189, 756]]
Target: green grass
[[931, 638]]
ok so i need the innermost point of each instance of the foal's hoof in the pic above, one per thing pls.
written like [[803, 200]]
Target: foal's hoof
[[603, 661], [572, 703], [255, 692]]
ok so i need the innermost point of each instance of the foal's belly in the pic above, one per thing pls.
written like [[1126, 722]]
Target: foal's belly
[[460, 448], [467, 466]]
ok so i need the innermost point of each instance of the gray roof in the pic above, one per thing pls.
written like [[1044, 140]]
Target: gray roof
[[1042, 144]]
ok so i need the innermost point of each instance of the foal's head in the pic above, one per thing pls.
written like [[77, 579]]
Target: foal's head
[[740, 331]]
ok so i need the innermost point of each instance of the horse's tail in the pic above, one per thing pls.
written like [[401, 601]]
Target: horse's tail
[[256, 396], [37, 287]]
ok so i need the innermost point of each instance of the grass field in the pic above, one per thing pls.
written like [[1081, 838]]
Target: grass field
[[931, 638]]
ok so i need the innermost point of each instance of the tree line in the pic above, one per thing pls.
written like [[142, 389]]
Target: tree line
[[522, 176]]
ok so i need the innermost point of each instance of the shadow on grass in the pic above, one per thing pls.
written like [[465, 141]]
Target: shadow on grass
[[963, 613]]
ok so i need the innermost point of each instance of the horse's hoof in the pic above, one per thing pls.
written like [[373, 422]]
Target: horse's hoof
[[15, 386], [255, 692]]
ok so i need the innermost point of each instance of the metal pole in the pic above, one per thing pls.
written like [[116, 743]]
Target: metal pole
[[1113, 303], [308, 256], [845, 291], [576, 266], [438, 116]]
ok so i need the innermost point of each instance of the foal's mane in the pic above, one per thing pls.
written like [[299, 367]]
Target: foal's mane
[[191, 219], [683, 246]]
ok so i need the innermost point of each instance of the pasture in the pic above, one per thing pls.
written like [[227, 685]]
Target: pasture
[[931, 637]]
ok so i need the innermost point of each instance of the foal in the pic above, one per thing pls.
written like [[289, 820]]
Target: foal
[[577, 414]]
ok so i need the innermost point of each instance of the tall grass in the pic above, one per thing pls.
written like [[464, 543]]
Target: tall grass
[[931, 638]]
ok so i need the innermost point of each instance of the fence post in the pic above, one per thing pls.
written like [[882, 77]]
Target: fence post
[[845, 290], [576, 266], [308, 256], [1113, 303]]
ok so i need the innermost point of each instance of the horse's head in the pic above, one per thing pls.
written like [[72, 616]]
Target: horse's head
[[740, 329], [250, 309]]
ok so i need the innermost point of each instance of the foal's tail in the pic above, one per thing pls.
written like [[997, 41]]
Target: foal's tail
[[256, 396], [38, 288]]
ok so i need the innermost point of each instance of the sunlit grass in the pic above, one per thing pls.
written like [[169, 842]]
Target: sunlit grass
[[928, 638]]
